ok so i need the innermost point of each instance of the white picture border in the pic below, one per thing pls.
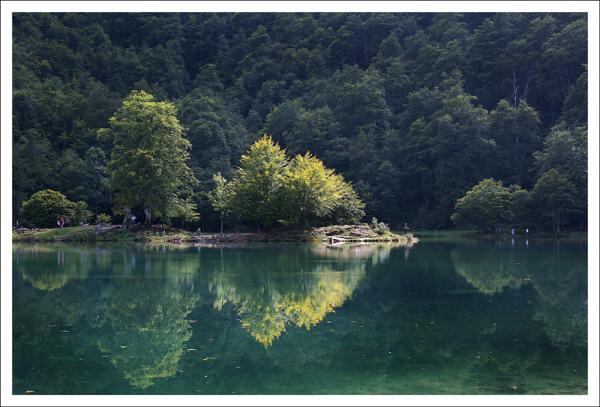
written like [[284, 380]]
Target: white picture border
[[8, 8]]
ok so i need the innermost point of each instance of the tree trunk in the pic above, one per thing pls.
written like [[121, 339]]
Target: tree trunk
[[221, 224], [126, 218], [148, 215]]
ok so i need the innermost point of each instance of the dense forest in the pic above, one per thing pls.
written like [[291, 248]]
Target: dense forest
[[413, 109]]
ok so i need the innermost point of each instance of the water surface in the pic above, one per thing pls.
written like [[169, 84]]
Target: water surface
[[458, 317]]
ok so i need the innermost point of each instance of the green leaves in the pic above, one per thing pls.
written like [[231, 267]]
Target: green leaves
[[268, 187], [258, 182], [484, 206], [554, 195], [148, 166], [44, 208]]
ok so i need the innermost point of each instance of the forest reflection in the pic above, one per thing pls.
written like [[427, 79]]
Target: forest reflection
[[558, 280], [144, 308]]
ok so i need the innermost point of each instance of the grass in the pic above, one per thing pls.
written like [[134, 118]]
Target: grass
[[73, 234], [105, 234]]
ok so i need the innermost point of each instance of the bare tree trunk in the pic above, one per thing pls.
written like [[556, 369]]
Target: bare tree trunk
[[148, 215], [515, 87], [221, 224]]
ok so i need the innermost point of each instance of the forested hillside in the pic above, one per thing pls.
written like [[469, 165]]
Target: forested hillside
[[413, 109]]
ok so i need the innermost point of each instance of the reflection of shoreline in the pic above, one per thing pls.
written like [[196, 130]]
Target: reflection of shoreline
[[377, 253], [559, 282]]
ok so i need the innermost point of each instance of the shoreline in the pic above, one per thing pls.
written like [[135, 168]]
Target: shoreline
[[334, 235]]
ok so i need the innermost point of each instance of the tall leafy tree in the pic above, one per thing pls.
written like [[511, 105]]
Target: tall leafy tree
[[221, 197], [565, 150], [258, 183], [554, 196], [148, 165]]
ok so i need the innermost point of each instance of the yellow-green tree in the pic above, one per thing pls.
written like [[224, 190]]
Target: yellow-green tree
[[311, 189], [258, 182], [268, 187]]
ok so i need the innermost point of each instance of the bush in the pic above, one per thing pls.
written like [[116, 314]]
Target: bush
[[80, 213], [379, 227], [103, 218], [44, 208]]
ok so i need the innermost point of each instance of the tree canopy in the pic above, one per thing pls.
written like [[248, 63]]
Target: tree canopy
[[413, 108], [148, 166]]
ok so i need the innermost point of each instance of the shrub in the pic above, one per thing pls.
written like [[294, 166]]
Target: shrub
[[379, 227], [44, 207], [103, 218]]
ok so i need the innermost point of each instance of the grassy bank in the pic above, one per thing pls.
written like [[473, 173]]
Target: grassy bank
[[332, 234], [98, 234]]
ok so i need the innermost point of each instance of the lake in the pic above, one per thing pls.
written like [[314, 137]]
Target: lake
[[442, 317]]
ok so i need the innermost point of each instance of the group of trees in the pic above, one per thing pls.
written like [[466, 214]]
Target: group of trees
[[558, 197], [268, 187], [413, 109]]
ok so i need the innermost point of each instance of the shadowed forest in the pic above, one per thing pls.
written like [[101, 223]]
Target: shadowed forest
[[414, 110]]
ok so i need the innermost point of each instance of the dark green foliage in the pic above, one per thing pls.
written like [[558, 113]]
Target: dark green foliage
[[565, 150], [484, 206], [554, 195], [80, 213], [44, 208], [517, 135], [414, 109]]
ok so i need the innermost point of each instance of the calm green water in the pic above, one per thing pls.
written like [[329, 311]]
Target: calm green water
[[440, 318]]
